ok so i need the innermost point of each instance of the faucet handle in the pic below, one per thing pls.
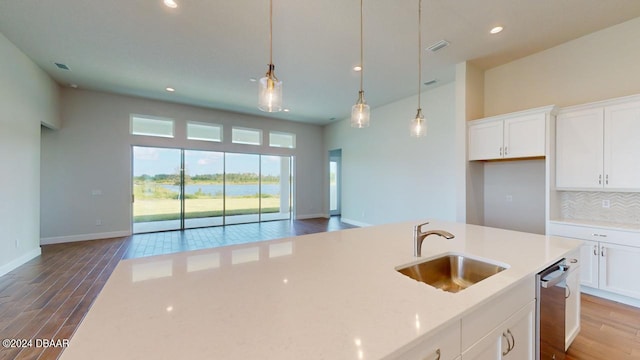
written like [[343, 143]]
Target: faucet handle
[[418, 228]]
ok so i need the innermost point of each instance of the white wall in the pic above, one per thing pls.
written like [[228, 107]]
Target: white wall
[[28, 98], [514, 196], [388, 176], [598, 66], [93, 152]]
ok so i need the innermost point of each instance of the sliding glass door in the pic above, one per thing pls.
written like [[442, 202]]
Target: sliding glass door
[[203, 188], [275, 187], [242, 188], [157, 190], [180, 189]]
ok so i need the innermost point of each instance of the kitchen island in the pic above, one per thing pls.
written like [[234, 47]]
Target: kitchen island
[[334, 295]]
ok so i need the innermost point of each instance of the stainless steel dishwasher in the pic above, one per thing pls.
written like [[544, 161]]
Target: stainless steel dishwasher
[[550, 306]]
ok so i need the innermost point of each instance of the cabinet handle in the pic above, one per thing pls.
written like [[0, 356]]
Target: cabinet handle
[[568, 291], [501, 151], [573, 261], [595, 250], [600, 179], [606, 179], [506, 150], [504, 353], [435, 357], [513, 340], [602, 252]]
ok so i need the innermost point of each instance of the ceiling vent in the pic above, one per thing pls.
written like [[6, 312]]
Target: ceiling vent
[[438, 45], [431, 82], [62, 66]]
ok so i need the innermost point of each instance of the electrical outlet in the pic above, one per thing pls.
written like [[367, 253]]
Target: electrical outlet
[[606, 204]]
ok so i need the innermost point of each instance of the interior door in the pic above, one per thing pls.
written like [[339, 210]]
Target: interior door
[[335, 182]]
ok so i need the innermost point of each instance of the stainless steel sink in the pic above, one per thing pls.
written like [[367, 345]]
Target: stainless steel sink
[[451, 272]]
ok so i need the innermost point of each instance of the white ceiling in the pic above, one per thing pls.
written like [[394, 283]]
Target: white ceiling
[[209, 49]]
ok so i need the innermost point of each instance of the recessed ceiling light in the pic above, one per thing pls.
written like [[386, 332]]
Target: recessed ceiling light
[[170, 4], [496, 30], [357, 68], [170, 89], [75, 86], [286, 110], [253, 79]]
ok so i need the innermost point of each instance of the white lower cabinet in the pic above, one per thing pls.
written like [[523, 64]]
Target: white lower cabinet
[[610, 259], [513, 339], [503, 328], [619, 267], [445, 345], [572, 295]]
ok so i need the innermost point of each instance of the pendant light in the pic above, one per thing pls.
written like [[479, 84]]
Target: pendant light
[[269, 87], [360, 111], [419, 124]]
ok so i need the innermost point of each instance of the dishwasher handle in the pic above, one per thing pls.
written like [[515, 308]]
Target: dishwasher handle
[[555, 280]]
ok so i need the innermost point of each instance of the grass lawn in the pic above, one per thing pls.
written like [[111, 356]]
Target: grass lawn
[[167, 209]]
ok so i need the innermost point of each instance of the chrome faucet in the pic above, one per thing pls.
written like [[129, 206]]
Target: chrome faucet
[[419, 235]]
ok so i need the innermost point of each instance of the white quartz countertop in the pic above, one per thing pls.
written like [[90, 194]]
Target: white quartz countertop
[[332, 295]]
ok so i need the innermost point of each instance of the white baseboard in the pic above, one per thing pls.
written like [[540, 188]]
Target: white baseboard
[[311, 216], [355, 222], [83, 237], [610, 296], [20, 261]]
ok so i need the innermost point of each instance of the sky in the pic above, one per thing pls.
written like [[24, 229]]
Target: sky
[[151, 161]]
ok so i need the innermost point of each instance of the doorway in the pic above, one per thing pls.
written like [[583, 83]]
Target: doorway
[[335, 182], [175, 189]]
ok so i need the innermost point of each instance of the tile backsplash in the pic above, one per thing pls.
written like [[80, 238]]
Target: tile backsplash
[[614, 207]]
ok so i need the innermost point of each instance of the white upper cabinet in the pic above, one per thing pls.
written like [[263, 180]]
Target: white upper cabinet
[[622, 146], [598, 147], [516, 135], [579, 147]]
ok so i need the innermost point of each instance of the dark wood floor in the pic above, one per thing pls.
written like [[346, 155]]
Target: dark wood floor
[[48, 297]]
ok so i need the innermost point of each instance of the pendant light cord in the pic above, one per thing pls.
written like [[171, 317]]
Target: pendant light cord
[[361, 46], [270, 32], [419, 49]]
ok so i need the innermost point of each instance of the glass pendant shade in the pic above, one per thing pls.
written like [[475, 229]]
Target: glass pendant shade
[[419, 125], [270, 92], [360, 112]]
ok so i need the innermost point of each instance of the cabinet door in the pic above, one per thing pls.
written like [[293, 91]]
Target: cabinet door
[[514, 339], [485, 141], [622, 146], [589, 256], [520, 330], [524, 136], [445, 345], [489, 348], [572, 317], [579, 149], [619, 269]]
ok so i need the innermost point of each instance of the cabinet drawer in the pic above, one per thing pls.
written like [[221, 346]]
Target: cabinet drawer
[[484, 319], [446, 341], [593, 233]]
